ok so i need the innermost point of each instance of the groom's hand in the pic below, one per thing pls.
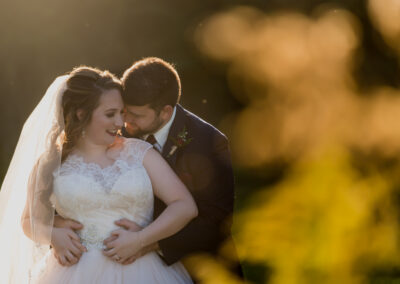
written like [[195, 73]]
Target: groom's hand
[[66, 246], [128, 225], [66, 243], [60, 222]]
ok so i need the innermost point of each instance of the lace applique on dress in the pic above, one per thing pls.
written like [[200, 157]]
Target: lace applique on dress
[[106, 177], [96, 197], [134, 150], [131, 155]]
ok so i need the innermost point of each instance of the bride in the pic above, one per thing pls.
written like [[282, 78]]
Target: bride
[[70, 159]]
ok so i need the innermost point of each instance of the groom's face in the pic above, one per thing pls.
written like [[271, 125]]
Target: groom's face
[[141, 120]]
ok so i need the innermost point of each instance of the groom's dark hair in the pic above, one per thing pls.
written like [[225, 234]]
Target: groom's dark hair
[[151, 81]]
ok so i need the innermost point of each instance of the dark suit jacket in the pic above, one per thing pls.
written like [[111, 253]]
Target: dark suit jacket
[[204, 166]]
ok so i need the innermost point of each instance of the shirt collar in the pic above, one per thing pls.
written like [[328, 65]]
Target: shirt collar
[[162, 134]]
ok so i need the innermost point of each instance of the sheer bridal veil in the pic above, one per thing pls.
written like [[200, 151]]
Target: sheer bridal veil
[[29, 181]]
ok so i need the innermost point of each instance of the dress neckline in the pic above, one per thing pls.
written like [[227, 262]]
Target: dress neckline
[[82, 160]]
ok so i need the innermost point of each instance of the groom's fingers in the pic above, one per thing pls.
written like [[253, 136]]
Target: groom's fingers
[[116, 233], [128, 225], [123, 223], [60, 222], [71, 258], [73, 235], [75, 251], [58, 259], [75, 225], [78, 244], [62, 260]]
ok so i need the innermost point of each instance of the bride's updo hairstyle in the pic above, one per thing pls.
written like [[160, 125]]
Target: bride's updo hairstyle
[[84, 88]]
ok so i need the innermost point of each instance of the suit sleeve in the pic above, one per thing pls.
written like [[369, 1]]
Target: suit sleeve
[[211, 183]]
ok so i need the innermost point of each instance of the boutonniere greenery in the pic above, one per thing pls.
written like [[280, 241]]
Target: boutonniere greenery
[[182, 139]]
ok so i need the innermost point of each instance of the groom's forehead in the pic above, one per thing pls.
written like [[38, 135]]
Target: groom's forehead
[[138, 109]]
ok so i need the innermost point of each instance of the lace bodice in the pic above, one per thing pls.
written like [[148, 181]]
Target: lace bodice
[[97, 196]]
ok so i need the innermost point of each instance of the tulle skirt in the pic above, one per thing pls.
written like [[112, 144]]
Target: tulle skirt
[[94, 267]]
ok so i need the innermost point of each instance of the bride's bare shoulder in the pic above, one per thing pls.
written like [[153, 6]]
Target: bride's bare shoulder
[[122, 144]]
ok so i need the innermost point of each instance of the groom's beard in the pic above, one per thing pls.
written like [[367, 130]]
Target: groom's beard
[[137, 132], [130, 132]]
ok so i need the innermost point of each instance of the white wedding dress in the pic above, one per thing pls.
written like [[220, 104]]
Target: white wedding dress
[[96, 197]]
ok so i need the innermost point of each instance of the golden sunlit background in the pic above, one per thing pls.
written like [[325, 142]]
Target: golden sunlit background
[[308, 93]]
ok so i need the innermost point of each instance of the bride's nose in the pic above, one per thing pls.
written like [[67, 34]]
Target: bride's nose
[[119, 121]]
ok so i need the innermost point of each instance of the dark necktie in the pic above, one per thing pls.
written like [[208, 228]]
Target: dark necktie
[[151, 139]]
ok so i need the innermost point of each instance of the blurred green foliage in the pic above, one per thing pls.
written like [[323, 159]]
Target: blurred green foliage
[[324, 218]]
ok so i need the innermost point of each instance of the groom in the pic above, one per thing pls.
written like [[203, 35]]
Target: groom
[[195, 150]]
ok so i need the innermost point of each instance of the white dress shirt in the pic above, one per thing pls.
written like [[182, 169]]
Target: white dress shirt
[[162, 134]]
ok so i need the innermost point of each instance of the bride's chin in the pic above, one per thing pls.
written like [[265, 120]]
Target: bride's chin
[[111, 141]]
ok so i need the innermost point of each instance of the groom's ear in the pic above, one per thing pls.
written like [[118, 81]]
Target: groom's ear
[[80, 113], [166, 112]]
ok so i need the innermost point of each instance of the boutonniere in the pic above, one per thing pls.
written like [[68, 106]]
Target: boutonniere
[[180, 140]]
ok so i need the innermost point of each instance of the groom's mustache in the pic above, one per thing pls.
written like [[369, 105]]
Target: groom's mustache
[[130, 132]]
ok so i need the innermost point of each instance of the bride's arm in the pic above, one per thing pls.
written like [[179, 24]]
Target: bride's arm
[[26, 219], [37, 217], [65, 242], [180, 209]]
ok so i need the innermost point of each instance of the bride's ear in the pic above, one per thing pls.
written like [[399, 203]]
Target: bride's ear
[[80, 113]]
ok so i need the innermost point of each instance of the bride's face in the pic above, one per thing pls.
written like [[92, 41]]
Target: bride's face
[[106, 119]]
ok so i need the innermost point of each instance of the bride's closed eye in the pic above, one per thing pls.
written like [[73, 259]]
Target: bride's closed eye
[[112, 114]]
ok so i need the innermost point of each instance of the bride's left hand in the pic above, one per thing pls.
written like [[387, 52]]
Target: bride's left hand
[[125, 245]]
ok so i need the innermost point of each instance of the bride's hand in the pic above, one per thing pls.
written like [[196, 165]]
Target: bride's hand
[[127, 225], [125, 245], [66, 246]]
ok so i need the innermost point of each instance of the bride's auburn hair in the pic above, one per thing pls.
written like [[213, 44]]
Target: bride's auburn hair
[[84, 88]]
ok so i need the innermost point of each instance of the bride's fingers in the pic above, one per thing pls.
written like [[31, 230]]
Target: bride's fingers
[[109, 239], [110, 245], [129, 260], [109, 252], [121, 260]]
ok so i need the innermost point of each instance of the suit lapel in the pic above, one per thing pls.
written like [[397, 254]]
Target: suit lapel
[[176, 127]]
